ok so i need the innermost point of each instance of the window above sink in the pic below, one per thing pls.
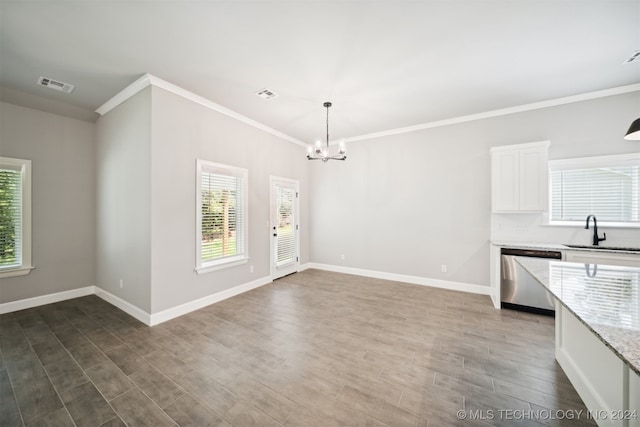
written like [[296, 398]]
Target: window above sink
[[606, 186]]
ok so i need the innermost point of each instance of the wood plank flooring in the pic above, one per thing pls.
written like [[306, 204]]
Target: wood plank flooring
[[311, 349]]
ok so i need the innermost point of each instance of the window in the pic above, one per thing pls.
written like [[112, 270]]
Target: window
[[221, 227], [15, 217], [607, 187]]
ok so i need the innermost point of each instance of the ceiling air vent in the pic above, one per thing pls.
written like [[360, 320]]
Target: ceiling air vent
[[54, 84], [266, 94], [635, 57]]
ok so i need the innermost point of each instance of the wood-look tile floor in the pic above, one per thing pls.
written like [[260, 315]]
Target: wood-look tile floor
[[311, 349]]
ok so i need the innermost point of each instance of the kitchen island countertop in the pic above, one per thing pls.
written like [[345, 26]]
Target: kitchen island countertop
[[561, 247], [606, 299]]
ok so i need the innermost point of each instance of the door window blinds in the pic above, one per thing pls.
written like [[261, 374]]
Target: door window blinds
[[285, 199], [607, 187]]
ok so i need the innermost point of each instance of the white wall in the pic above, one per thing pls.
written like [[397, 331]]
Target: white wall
[[184, 131], [409, 203], [63, 203], [123, 188]]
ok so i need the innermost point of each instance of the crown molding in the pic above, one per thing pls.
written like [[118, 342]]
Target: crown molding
[[124, 94], [151, 80], [502, 112]]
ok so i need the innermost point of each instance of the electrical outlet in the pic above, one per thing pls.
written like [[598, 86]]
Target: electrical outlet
[[342, 257], [443, 268], [251, 269], [121, 284]]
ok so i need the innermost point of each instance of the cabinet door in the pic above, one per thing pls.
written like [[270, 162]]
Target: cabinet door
[[605, 258], [505, 181], [634, 399], [596, 373], [533, 179]]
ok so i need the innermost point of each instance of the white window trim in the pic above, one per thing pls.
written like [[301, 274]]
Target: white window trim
[[594, 162], [203, 268], [25, 267], [221, 265], [585, 163]]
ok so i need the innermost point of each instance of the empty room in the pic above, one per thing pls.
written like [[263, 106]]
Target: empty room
[[320, 213]]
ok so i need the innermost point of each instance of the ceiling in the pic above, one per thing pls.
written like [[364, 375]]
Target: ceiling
[[383, 64]]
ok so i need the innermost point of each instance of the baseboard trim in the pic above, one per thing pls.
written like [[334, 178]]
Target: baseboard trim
[[23, 304], [125, 306], [182, 309], [172, 313], [495, 300], [416, 280], [132, 310], [305, 266]]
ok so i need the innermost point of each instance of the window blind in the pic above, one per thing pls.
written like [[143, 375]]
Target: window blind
[[610, 190], [10, 217], [222, 213]]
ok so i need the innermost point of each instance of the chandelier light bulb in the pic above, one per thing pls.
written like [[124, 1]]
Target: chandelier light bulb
[[343, 146]]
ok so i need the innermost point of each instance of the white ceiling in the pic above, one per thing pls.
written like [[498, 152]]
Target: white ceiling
[[384, 64]]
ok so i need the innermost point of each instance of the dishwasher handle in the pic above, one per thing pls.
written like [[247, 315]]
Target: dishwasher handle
[[533, 253]]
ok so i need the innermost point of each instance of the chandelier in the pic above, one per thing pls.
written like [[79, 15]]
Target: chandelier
[[318, 152]]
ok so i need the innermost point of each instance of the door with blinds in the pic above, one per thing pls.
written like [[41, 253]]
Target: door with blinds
[[284, 227]]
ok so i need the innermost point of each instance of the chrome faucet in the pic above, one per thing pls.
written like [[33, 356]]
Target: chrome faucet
[[596, 239]]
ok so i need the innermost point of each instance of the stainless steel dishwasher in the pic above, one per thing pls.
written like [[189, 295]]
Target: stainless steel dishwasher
[[518, 289]]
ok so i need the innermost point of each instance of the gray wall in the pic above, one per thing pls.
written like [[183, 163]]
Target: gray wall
[[434, 184], [409, 203], [184, 131], [123, 188], [63, 203]]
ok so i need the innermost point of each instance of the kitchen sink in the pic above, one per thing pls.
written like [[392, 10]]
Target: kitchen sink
[[607, 248]]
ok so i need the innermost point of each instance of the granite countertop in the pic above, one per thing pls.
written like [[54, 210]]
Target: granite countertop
[[606, 299], [558, 247], [529, 245]]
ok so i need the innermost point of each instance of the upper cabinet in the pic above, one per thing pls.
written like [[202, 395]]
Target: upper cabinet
[[519, 177]]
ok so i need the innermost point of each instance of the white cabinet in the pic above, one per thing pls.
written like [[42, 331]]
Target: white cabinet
[[494, 274], [634, 399], [505, 181], [519, 177], [609, 388], [607, 258]]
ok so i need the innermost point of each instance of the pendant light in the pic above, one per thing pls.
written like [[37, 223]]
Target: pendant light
[[633, 134], [320, 153]]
